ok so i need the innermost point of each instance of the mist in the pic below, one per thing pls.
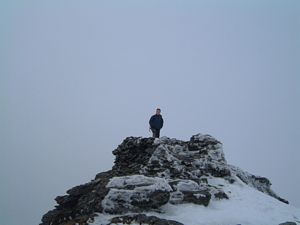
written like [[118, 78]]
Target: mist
[[77, 77]]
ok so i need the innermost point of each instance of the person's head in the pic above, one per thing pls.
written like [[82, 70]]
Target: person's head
[[158, 111]]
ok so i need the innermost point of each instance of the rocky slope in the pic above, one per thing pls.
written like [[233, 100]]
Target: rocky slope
[[149, 173]]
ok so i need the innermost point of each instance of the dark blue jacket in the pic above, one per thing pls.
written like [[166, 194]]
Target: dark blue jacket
[[156, 122]]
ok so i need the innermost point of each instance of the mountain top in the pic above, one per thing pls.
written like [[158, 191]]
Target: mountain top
[[152, 176]]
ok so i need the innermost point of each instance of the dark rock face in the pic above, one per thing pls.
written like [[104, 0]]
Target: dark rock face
[[149, 173], [203, 143], [155, 199], [221, 195], [81, 202], [197, 197], [132, 154]]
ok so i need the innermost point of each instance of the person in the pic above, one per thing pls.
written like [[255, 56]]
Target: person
[[156, 122]]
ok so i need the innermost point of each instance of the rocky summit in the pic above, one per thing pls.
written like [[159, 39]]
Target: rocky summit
[[149, 173]]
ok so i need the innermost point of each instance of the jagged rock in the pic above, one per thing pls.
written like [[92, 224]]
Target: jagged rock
[[260, 183], [203, 143], [132, 154], [197, 197], [173, 159], [81, 202], [149, 173], [221, 195]]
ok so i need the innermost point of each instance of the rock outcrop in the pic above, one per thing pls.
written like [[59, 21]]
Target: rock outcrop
[[149, 173]]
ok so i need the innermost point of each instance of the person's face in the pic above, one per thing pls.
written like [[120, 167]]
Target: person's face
[[157, 112]]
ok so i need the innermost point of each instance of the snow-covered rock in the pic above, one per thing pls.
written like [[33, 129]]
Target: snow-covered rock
[[246, 206], [161, 181], [135, 193]]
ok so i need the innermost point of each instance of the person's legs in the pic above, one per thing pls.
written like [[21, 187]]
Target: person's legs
[[155, 133]]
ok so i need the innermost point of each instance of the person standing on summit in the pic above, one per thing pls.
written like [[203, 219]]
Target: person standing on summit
[[156, 123]]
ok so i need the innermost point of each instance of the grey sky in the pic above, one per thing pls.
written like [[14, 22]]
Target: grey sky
[[77, 77]]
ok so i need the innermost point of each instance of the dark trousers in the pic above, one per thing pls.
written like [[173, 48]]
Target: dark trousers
[[156, 132]]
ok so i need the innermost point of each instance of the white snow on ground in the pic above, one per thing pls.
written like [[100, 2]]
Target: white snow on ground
[[246, 206]]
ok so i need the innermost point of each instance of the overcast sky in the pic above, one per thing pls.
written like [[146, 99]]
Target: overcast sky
[[77, 77]]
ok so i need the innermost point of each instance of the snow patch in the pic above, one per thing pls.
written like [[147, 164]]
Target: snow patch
[[246, 206]]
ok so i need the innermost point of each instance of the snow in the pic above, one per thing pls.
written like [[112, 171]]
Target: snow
[[136, 180], [160, 140], [141, 187], [109, 204], [187, 185], [246, 206], [162, 151], [251, 200]]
